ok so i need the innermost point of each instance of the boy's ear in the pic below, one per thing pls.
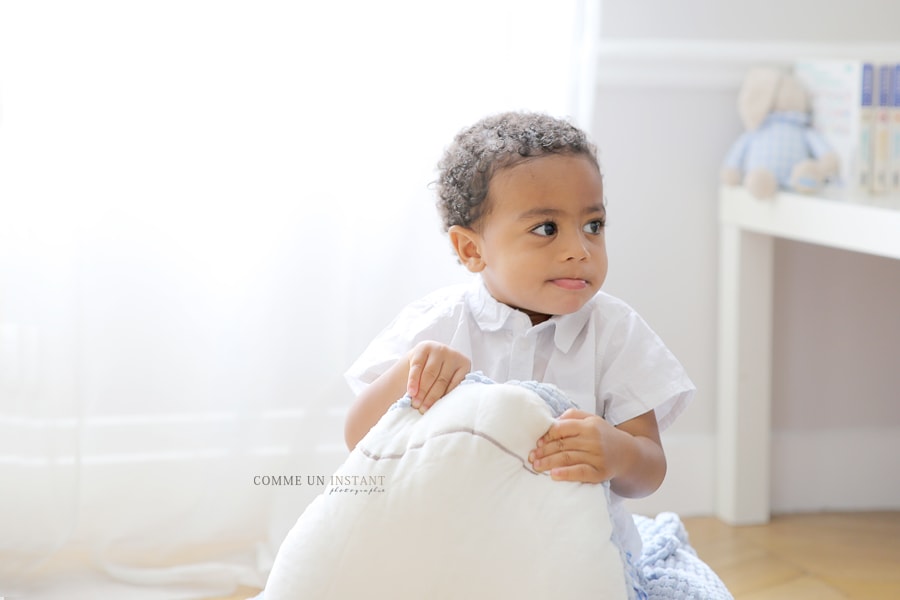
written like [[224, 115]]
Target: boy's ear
[[467, 244]]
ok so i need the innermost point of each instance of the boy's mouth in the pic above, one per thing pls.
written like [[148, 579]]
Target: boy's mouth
[[570, 284]]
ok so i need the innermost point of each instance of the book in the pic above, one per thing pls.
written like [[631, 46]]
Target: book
[[894, 134], [842, 106], [881, 139]]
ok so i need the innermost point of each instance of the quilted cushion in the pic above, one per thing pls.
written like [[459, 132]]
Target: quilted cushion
[[446, 505]]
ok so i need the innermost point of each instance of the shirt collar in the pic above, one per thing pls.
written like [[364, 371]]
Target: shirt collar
[[491, 315], [569, 326]]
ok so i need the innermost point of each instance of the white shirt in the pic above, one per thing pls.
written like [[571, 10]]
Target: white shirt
[[604, 357]]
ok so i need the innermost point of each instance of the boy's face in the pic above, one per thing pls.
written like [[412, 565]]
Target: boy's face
[[540, 247]]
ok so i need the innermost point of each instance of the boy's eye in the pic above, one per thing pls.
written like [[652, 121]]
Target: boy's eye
[[595, 227], [545, 229]]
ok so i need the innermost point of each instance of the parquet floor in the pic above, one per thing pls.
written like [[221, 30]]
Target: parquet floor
[[822, 556]]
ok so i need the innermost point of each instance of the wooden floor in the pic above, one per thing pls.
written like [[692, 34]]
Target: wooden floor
[[815, 556], [798, 557]]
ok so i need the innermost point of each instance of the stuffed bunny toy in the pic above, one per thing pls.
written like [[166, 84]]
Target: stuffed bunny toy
[[779, 149]]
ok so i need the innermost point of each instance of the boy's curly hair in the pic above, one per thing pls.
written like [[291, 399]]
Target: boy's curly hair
[[493, 143]]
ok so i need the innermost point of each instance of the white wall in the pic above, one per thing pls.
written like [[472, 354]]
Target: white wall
[[667, 81]]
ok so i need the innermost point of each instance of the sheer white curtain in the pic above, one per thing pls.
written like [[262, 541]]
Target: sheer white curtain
[[206, 210]]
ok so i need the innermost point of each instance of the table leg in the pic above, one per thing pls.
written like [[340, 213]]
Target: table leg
[[744, 376]]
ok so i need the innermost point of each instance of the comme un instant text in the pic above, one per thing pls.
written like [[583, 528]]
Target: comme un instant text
[[320, 480]]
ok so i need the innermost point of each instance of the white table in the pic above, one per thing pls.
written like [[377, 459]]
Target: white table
[[747, 227]]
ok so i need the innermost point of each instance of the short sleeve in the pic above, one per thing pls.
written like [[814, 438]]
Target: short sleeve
[[431, 318], [638, 373]]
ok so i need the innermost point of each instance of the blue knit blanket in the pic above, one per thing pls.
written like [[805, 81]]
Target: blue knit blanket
[[669, 567]]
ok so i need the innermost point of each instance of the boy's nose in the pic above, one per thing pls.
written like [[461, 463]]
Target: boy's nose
[[577, 249]]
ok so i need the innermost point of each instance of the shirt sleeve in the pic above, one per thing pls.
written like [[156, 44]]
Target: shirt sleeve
[[427, 319], [638, 373]]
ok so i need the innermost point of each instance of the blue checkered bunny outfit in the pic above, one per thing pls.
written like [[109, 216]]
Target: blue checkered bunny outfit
[[783, 140]]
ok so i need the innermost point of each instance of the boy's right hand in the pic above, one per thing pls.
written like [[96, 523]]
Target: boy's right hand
[[434, 370]]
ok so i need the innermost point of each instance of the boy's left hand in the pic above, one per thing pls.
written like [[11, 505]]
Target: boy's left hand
[[580, 446]]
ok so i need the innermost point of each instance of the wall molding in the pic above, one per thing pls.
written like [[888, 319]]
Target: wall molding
[[812, 471], [712, 64]]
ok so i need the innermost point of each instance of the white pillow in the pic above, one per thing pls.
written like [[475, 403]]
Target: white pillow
[[446, 505]]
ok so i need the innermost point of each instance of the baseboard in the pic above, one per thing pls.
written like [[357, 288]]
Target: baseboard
[[812, 471], [839, 470]]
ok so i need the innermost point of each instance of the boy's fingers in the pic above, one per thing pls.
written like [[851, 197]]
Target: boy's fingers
[[563, 450], [434, 382], [571, 466], [419, 380], [432, 374], [412, 382], [575, 413], [581, 473], [563, 429], [443, 385], [424, 368], [438, 390], [457, 378]]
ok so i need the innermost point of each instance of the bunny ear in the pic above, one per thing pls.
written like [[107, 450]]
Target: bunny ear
[[792, 95], [757, 96]]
